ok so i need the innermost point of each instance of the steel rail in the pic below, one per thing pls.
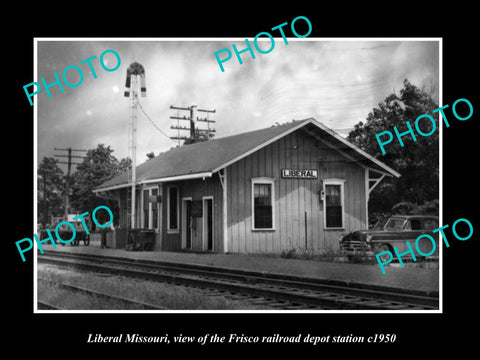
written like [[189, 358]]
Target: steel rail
[[279, 287], [429, 299]]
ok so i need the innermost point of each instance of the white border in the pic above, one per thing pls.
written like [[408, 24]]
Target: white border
[[440, 175], [35, 184], [332, 39]]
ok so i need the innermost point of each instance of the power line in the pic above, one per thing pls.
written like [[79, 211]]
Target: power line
[[195, 132], [70, 149], [148, 117], [67, 177]]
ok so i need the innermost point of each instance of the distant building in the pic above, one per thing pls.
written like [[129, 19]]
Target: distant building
[[293, 186]]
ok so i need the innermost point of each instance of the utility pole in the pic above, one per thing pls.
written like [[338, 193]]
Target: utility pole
[[134, 71], [45, 208], [133, 116], [193, 119], [43, 174], [67, 177]]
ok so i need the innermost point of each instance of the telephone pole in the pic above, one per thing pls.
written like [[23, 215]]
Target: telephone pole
[[193, 130], [43, 173], [67, 177], [135, 81]]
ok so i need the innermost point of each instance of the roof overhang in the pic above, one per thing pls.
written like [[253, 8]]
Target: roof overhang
[[311, 126], [201, 175], [350, 150]]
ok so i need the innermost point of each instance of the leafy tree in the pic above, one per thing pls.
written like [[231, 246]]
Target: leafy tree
[[124, 165], [417, 161], [50, 190], [199, 136], [98, 166]]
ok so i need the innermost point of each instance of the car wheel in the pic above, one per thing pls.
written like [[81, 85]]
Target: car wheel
[[384, 247]]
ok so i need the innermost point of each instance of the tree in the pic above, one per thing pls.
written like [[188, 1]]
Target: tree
[[50, 190], [199, 136], [98, 166], [417, 161], [150, 155], [125, 164]]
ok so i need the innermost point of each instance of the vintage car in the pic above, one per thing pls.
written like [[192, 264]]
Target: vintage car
[[395, 232]]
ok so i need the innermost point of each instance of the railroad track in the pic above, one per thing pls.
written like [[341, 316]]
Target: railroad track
[[278, 291]]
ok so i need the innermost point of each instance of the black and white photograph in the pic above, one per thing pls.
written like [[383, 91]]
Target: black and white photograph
[[255, 189], [276, 185]]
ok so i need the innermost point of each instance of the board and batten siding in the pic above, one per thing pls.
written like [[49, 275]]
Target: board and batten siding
[[195, 189], [293, 197]]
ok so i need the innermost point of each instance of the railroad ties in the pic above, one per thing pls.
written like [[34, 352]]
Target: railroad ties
[[273, 291]]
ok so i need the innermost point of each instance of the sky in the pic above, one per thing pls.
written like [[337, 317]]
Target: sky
[[336, 81]]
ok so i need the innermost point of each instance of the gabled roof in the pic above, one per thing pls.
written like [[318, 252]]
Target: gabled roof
[[206, 158]]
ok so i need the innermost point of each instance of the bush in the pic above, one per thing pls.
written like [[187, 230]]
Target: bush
[[405, 208], [429, 208], [318, 255]]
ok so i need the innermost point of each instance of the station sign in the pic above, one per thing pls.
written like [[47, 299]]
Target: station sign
[[299, 174]]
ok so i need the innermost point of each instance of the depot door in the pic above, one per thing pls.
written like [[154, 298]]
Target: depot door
[[208, 223], [186, 223]]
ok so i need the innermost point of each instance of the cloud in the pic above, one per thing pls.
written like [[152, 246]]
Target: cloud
[[337, 82]]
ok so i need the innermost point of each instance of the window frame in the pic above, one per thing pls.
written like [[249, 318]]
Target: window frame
[[184, 223], [394, 218], [268, 181], [145, 190], [204, 223], [426, 221], [150, 208], [169, 229], [337, 182]]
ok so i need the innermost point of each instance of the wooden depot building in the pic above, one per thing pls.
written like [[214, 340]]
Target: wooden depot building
[[293, 186]]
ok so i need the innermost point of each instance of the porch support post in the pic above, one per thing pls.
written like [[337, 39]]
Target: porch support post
[[222, 174]]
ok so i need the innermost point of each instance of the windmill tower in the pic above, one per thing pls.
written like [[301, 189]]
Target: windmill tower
[[134, 72]]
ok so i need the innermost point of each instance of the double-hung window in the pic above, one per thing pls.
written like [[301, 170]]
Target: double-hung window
[[333, 204], [263, 204], [150, 209]]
